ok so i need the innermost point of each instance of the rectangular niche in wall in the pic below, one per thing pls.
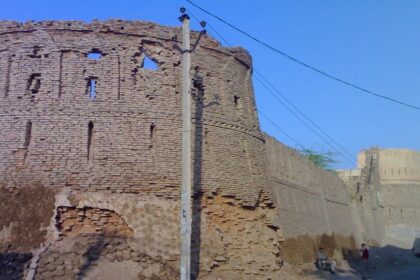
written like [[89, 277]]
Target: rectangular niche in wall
[[34, 84], [89, 139], [28, 135]]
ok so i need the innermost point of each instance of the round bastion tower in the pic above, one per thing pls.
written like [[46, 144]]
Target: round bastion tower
[[80, 110], [85, 119]]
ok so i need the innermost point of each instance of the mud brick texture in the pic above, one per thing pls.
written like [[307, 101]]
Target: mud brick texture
[[124, 137]]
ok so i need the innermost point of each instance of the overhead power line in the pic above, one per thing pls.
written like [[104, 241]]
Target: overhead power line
[[297, 110], [304, 123], [280, 129], [274, 92], [276, 50]]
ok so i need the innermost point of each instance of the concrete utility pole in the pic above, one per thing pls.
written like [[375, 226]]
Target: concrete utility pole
[[186, 151], [186, 211]]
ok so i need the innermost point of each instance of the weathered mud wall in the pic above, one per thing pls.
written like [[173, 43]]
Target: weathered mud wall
[[229, 241], [81, 114], [392, 178], [25, 213], [310, 200], [312, 204]]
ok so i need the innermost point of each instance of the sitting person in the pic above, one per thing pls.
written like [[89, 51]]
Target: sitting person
[[324, 262]]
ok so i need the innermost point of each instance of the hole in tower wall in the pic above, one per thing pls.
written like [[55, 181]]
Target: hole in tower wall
[[89, 140], [237, 101], [94, 54], [34, 84], [91, 87], [36, 52], [148, 63]]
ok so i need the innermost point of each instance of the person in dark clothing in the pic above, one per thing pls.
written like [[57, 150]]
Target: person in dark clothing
[[364, 252]]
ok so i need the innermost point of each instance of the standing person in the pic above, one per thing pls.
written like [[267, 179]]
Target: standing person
[[364, 252]]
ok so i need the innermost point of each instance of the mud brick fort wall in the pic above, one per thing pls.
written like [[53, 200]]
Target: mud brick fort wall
[[310, 200], [126, 138], [90, 162], [100, 137], [312, 205], [393, 178]]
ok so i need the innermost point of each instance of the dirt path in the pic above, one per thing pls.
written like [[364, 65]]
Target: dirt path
[[406, 273]]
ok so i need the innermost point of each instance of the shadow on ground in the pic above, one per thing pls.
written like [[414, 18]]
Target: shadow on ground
[[93, 254], [385, 263], [12, 265]]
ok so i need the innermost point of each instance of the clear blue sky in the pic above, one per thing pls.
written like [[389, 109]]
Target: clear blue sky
[[374, 44]]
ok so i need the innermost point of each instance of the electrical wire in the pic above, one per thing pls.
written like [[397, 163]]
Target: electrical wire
[[303, 122], [304, 64], [350, 159], [281, 130], [338, 145]]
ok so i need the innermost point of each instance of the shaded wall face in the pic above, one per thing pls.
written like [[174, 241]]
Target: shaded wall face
[[401, 204], [309, 200], [109, 123], [399, 180], [401, 211], [392, 180]]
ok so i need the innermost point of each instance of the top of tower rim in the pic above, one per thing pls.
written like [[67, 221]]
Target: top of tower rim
[[398, 150], [136, 28]]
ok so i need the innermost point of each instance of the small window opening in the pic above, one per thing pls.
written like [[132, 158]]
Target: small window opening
[[91, 88], [236, 100], [90, 134], [36, 52], [94, 54], [149, 64], [34, 85]]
